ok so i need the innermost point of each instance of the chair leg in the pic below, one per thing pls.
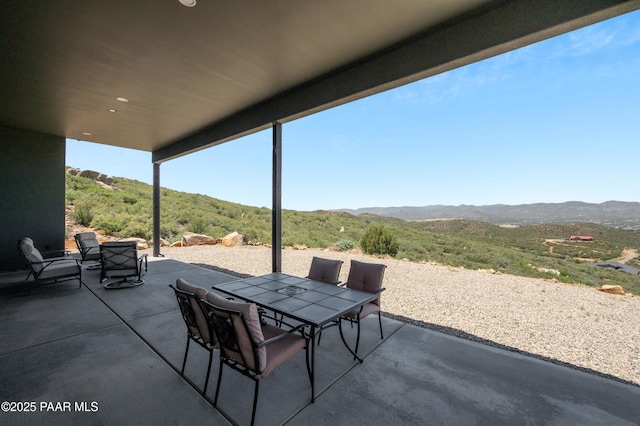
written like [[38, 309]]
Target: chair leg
[[380, 322], [206, 381], [186, 351], [255, 402], [306, 358], [215, 399], [358, 336]]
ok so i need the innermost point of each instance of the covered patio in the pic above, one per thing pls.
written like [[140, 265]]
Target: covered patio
[[170, 80], [113, 356]]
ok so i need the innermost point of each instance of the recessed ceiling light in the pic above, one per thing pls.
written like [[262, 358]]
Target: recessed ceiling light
[[113, 110], [188, 3], [86, 133], [124, 100]]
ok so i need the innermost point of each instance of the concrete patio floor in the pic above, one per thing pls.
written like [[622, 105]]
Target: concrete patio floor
[[94, 356]]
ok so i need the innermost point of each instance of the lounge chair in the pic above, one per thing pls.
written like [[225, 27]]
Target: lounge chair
[[120, 260], [48, 269], [88, 247]]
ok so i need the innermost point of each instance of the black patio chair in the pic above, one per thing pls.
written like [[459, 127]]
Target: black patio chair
[[120, 260], [248, 345], [47, 269], [327, 271], [88, 247], [364, 277], [199, 329]]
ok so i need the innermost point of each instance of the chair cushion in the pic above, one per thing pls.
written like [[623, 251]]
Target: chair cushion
[[32, 254], [200, 293], [367, 309], [325, 270], [89, 245], [250, 314], [189, 288], [59, 268], [366, 277], [280, 351], [83, 236]]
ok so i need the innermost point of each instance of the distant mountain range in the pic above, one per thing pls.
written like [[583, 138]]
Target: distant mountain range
[[615, 214]]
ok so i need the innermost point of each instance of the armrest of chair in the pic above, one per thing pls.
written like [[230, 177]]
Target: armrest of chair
[[56, 253], [377, 292], [47, 263], [282, 336], [142, 261]]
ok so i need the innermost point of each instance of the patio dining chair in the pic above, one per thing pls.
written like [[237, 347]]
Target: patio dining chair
[[120, 260], [198, 328], [248, 345], [88, 247], [47, 269], [327, 271], [364, 277]]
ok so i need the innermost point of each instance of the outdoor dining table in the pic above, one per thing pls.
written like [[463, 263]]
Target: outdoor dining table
[[310, 302]]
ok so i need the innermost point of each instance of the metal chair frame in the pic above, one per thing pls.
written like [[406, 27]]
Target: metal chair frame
[[357, 321], [184, 299], [109, 250], [88, 253], [47, 263], [357, 318], [225, 328]]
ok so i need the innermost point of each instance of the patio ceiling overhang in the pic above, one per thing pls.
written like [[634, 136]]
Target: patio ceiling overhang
[[197, 77]]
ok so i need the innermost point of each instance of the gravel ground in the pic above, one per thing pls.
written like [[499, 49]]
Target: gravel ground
[[573, 325]]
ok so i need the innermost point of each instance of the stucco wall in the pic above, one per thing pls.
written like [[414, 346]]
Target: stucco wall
[[32, 188]]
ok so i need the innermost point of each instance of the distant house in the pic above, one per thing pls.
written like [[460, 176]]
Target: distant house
[[581, 238]]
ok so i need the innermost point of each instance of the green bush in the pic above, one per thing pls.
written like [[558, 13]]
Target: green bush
[[83, 214], [345, 245], [108, 225], [379, 240]]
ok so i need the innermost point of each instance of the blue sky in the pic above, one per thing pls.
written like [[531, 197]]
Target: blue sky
[[553, 122]]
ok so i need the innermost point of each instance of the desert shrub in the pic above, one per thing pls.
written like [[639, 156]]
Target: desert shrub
[[379, 240], [138, 230], [345, 245], [198, 225], [108, 225], [128, 199], [83, 214]]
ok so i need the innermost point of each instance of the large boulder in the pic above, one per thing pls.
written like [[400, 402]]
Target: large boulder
[[193, 239], [104, 179], [234, 240], [142, 243], [612, 289], [89, 174]]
